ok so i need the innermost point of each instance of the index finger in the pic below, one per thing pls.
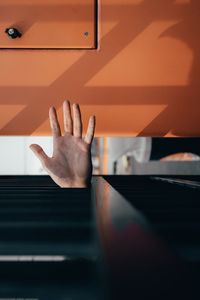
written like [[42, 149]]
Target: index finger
[[90, 130], [55, 126]]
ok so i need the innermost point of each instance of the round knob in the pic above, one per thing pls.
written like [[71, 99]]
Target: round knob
[[13, 33]]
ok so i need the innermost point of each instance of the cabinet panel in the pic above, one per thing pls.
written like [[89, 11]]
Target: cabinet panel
[[48, 24]]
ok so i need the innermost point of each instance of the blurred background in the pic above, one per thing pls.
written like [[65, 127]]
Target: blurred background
[[110, 155]]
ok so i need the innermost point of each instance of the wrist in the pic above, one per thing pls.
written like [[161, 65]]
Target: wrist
[[75, 184]]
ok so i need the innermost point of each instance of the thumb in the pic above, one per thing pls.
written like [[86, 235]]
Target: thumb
[[39, 152]]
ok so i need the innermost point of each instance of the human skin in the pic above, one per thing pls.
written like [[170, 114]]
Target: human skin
[[71, 163]]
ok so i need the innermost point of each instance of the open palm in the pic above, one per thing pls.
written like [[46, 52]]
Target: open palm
[[71, 163]]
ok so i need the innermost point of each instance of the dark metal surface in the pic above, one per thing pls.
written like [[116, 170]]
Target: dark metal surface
[[47, 244], [150, 237], [37, 217], [128, 237]]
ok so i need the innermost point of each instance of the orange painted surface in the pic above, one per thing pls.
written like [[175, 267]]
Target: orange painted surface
[[49, 24], [142, 80]]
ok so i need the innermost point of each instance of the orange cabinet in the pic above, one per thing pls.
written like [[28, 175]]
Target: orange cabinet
[[143, 78], [48, 24]]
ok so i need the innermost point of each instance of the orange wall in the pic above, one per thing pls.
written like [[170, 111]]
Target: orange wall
[[143, 79]]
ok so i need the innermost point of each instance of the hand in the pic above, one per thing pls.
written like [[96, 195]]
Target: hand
[[71, 163]]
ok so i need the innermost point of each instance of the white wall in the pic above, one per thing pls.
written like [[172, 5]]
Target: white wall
[[17, 159]]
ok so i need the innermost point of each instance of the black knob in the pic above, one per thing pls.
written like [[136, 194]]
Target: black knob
[[13, 33]]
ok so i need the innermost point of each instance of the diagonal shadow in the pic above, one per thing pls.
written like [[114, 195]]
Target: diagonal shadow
[[182, 117]]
